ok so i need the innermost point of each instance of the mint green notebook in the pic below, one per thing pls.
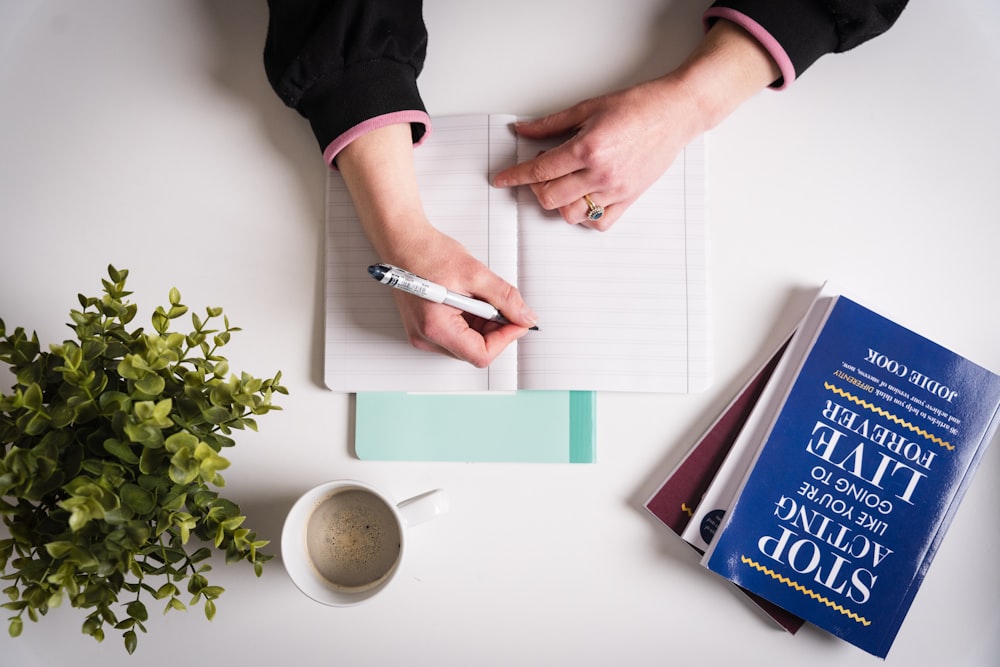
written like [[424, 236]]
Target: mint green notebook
[[522, 426]]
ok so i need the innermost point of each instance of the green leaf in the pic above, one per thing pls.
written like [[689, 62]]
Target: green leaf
[[121, 450], [137, 610], [33, 397], [209, 609], [184, 467], [150, 384], [175, 296], [114, 401], [161, 413], [150, 459], [59, 549], [166, 590], [182, 440], [145, 434], [15, 627], [138, 499], [131, 641], [215, 414], [175, 604], [144, 410], [212, 592], [37, 424], [233, 523], [160, 321], [82, 510]]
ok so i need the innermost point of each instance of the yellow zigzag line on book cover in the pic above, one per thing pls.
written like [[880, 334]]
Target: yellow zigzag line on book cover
[[687, 510], [802, 589], [891, 417]]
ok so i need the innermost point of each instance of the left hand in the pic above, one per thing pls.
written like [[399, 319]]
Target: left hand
[[621, 143]]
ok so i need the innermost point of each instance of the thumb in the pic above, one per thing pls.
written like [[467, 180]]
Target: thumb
[[507, 299]]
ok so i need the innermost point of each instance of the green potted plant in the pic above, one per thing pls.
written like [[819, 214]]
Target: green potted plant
[[110, 452]]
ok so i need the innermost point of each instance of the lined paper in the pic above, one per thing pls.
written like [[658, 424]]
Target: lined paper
[[622, 310]]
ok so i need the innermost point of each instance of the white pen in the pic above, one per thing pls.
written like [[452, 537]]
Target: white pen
[[393, 276]]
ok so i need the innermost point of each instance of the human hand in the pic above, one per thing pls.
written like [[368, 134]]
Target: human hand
[[379, 172], [438, 328], [621, 143]]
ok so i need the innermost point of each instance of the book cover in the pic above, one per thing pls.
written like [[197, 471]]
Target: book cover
[[601, 328], [516, 427], [729, 477], [675, 502], [858, 477]]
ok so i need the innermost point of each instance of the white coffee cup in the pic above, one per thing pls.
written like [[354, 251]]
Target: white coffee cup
[[343, 541]]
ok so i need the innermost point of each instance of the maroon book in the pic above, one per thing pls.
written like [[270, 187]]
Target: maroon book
[[675, 501]]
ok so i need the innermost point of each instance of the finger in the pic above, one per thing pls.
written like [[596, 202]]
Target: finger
[[562, 192], [553, 124], [507, 299], [446, 332], [575, 209], [480, 349], [548, 166], [612, 214], [604, 223]]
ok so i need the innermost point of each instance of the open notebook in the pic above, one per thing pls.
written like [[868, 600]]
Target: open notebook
[[623, 310]]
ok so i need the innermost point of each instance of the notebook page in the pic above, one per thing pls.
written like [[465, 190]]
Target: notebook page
[[622, 310], [366, 347]]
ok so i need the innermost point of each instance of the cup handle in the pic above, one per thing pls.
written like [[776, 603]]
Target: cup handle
[[426, 506]]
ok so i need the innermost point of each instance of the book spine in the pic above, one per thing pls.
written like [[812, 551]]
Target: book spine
[[725, 487]]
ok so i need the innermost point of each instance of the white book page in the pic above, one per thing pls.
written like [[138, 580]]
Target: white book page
[[366, 345], [622, 310]]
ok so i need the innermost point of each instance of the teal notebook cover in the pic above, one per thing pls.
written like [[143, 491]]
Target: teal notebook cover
[[522, 426]]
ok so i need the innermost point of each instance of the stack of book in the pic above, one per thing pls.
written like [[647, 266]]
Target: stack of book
[[825, 488]]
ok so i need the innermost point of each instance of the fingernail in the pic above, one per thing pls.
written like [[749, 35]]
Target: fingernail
[[529, 315]]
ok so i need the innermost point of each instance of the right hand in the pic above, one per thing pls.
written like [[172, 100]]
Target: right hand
[[438, 328], [379, 172]]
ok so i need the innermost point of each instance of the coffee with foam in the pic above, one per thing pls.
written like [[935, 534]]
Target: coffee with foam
[[353, 539]]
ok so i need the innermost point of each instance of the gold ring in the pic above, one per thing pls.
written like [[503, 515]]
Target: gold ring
[[596, 210]]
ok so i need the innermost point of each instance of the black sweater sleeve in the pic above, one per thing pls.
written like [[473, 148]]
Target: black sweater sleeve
[[808, 29], [342, 62]]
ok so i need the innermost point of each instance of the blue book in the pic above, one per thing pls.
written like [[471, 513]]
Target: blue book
[[514, 427], [858, 476]]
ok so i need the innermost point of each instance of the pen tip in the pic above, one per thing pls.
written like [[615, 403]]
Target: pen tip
[[376, 271], [534, 328]]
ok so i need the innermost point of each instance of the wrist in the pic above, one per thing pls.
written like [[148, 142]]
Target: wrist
[[380, 175], [727, 68], [401, 241]]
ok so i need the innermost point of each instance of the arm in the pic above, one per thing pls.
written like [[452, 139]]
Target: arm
[[796, 33], [378, 170], [350, 67], [622, 142]]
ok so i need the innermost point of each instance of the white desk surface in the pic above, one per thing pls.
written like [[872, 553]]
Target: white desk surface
[[144, 134]]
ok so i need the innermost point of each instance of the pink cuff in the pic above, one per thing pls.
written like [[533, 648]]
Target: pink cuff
[[762, 36], [341, 142]]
